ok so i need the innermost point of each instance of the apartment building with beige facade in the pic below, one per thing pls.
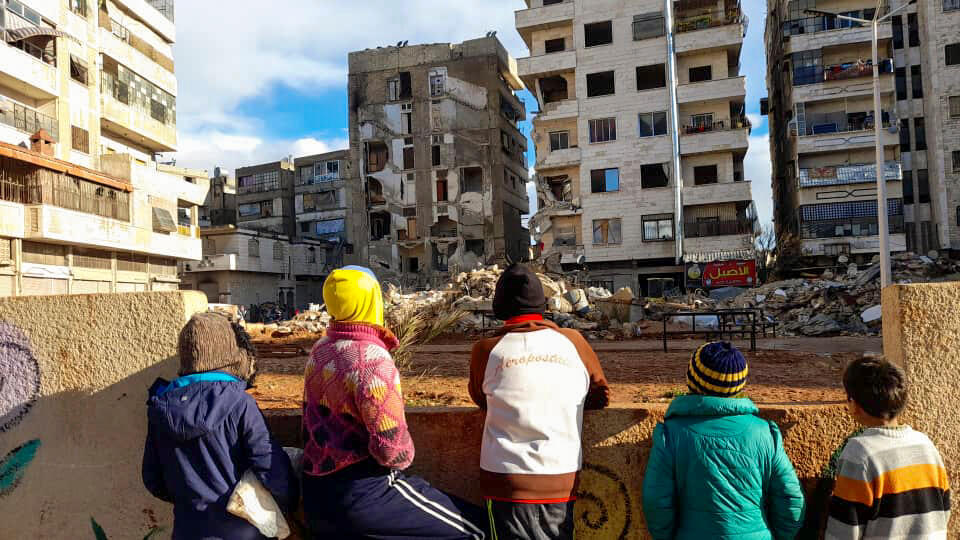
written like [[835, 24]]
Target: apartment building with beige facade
[[640, 137], [87, 102], [435, 141], [822, 122]]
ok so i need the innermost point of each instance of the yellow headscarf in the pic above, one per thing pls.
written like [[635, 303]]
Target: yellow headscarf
[[352, 294]]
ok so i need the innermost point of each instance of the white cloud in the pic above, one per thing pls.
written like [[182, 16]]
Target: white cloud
[[228, 56], [758, 169]]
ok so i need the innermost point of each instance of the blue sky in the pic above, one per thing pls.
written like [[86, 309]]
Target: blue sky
[[256, 92]]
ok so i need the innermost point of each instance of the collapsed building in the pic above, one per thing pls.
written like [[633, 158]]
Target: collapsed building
[[434, 135]]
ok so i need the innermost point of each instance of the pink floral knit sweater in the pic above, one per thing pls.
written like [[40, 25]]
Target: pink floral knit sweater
[[353, 405]]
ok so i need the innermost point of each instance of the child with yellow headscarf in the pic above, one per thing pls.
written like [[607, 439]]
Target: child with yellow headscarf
[[356, 441]]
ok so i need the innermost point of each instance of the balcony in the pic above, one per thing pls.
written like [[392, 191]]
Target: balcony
[[848, 174], [734, 87], [816, 32], [848, 228], [707, 229], [831, 141], [568, 108], [541, 17], [705, 135], [722, 192], [157, 14], [714, 29], [567, 157], [53, 224], [134, 123], [531, 67], [27, 120], [115, 45], [856, 87], [28, 73], [804, 75]]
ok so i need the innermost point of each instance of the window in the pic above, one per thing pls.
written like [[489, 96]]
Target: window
[[807, 67], [913, 30], [438, 84], [304, 226], [901, 81], [79, 7], [954, 106], [950, 5], [442, 190], [650, 77], [277, 251], [923, 187], [606, 231], [600, 33], [253, 248], [311, 255], [600, 84], [952, 54], [658, 228], [559, 140], [908, 187], [471, 180], [654, 176], [956, 161], [603, 130], [706, 174], [648, 25], [435, 155], [653, 124], [259, 182], [920, 133], [552, 2], [554, 45], [553, 89], [897, 32], [917, 81], [413, 265], [377, 156], [700, 74], [406, 118], [399, 87], [78, 70], [905, 135], [701, 123], [408, 162], [80, 139], [604, 180]]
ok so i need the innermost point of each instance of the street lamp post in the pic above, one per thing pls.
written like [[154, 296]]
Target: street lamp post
[[882, 209]]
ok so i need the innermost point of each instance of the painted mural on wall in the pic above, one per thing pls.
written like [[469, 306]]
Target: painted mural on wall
[[19, 389]]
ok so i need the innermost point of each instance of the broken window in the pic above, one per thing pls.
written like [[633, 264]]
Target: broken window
[[603, 130], [375, 191], [601, 84], [954, 106], [441, 260], [658, 228], [406, 118], [399, 87], [554, 89], [80, 139], [923, 187], [561, 188], [379, 225], [706, 174], [413, 265], [438, 84], [312, 202], [650, 77], [559, 140], [442, 192], [471, 180], [377, 156], [604, 180], [653, 124], [554, 45], [475, 247], [654, 176], [408, 162], [952, 54], [600, 33], [648, 25], [444, 228], [606, 231], [78, 70], [700, 74], [917, 82], [552, 2], [920, 133], [956, 160], [435, 155]]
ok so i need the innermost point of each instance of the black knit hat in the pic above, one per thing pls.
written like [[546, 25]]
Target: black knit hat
[[519, 292]]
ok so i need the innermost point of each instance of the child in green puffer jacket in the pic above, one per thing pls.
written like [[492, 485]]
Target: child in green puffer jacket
[[716, 469]]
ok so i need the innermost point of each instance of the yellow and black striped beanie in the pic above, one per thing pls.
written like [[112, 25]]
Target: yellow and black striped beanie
[[717, 369]]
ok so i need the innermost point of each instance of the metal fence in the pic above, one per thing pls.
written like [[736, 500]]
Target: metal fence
[[28, 120], [703, 229], [690, 22]]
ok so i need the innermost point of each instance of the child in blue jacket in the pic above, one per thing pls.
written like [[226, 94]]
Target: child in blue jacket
[[205, 431]]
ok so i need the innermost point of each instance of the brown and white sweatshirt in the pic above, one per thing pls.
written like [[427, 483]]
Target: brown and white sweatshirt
[[534, 381]]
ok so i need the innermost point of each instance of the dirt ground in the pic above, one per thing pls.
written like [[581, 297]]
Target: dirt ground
[[637, 372]]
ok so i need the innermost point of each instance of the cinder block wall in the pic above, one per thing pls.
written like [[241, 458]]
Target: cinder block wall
[[74, 373]]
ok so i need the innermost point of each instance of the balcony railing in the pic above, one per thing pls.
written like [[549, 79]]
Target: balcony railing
[[853, 227], [804, 75], [813, 25], [138, 93], [28, 120], [839, 122], [691, 22], [703, 229], [848, 174], [706, 124], [258, 188], [165, 7]]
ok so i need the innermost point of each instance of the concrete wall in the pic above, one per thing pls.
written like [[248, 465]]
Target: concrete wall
[[921, 332], [617, 445], [76, 371]]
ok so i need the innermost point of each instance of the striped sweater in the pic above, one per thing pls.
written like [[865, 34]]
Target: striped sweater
[[891, 484]]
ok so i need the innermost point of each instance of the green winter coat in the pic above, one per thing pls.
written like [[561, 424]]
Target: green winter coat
[[719, 472]]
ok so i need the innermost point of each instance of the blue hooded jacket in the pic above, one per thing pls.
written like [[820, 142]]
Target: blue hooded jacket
[[204, 431]]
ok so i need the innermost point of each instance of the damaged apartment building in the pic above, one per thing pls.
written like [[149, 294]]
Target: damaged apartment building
[[434, 133]]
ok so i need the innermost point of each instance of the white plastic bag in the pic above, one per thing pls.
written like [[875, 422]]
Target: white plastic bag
[[252, 502]]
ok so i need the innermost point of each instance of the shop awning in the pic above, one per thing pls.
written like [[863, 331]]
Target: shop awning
[[19, 34], [713, 256], [34, 158], [163, 221]]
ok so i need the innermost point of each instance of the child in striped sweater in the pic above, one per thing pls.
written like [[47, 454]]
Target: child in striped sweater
[[891, 481]]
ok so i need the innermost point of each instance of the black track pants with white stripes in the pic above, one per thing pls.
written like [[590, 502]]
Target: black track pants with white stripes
[[367, 502]]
